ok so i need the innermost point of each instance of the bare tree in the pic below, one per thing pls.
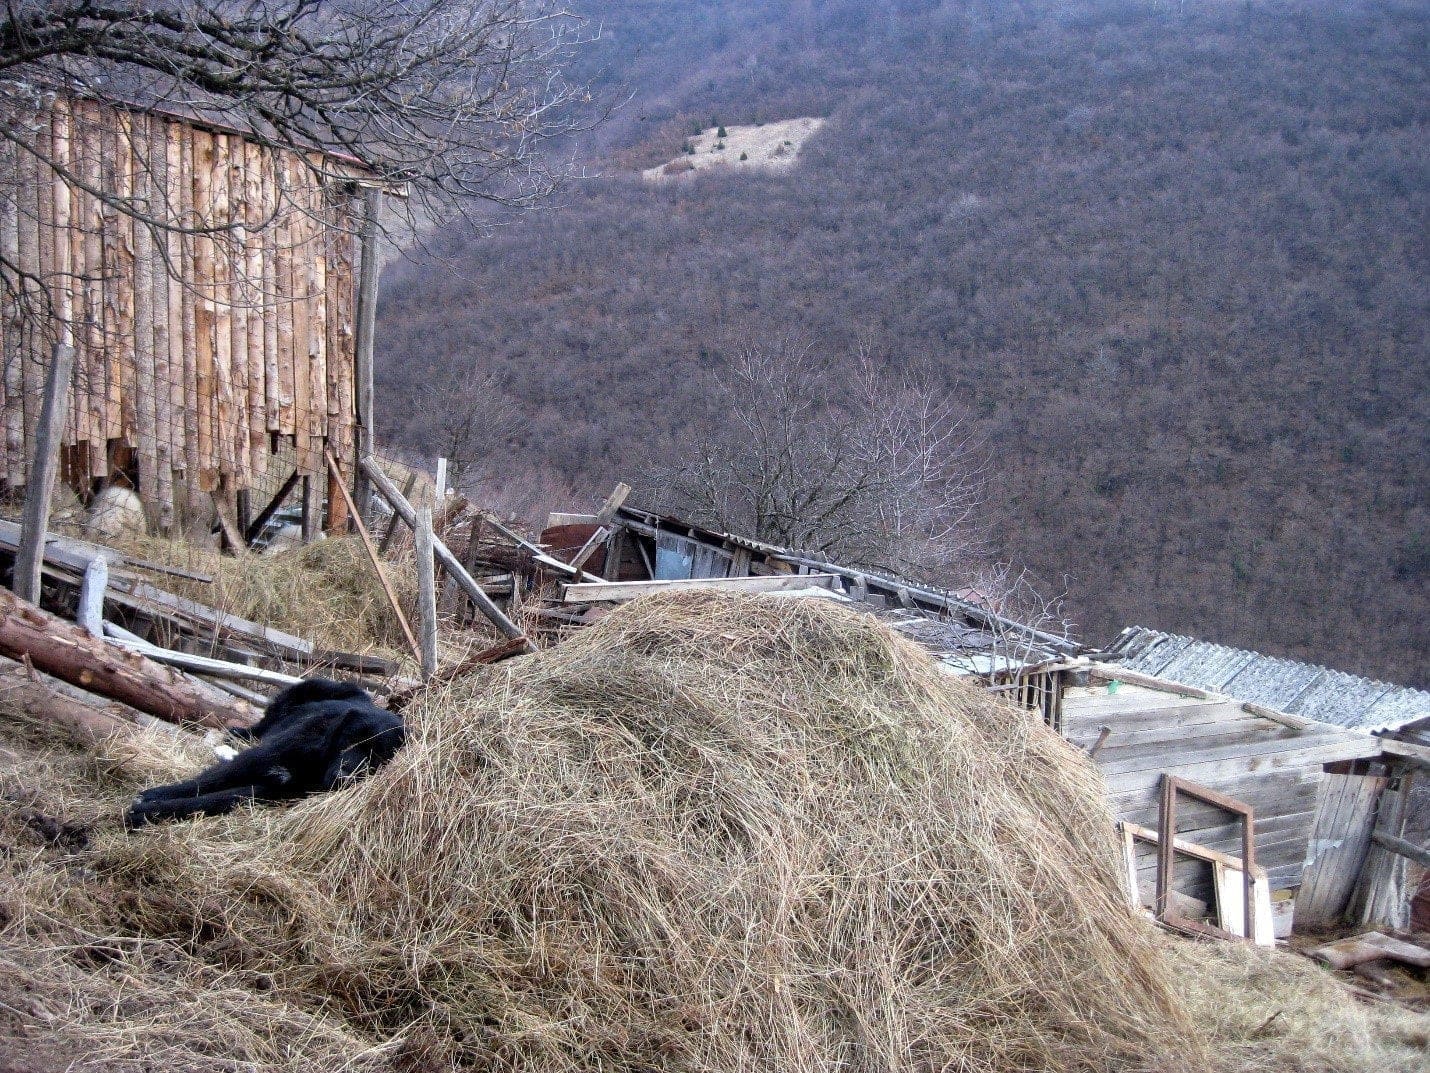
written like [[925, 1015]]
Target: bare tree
[[474, 421], [875, 470], [452, 99]]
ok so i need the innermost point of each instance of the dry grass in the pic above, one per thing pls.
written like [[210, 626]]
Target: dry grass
[[1276, 1010], [325, 592], [707, 834]]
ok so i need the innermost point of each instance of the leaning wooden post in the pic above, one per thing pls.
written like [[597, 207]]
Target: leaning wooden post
[[373, 555], [455, 569], [363, 344], [427, 591], [31, 554]]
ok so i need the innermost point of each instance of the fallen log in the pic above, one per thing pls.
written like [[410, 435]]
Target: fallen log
[[69, 653], [27, 695]]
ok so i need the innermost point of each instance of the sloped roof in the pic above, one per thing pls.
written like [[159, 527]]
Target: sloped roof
[[1284, 685]]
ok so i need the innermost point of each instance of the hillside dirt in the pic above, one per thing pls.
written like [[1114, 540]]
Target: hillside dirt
[[765, 147]]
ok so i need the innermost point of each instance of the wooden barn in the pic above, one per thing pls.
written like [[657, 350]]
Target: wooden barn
[[216, 351]]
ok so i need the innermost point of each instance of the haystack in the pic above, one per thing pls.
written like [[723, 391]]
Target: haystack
[[709, 833]]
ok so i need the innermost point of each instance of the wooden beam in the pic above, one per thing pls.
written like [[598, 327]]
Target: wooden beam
[[443, 554], [426, 593], [588, 549], [90, 614], [339, 501], [396, 523], [1417, 755], [1419, 854], [613, 503], [620, 591], [232, 538], [337, 479], [217, 668], [41, 485], [250, 534]]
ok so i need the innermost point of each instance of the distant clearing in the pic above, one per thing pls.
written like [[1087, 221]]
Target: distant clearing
[[767, 147]]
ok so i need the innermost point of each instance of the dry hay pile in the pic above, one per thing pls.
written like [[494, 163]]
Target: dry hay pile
[[706, 834]]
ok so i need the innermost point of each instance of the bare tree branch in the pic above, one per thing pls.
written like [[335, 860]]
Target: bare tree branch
[[453, 100], [877, 473]]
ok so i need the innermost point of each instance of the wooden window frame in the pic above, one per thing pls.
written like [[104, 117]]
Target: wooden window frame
[[1167, 850]]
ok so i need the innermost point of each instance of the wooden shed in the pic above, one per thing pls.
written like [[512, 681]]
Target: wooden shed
[[1272, 761], [216, 351]]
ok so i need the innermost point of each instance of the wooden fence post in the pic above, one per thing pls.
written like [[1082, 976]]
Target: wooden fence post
[[427, 591], [31, 555], [362, 355]]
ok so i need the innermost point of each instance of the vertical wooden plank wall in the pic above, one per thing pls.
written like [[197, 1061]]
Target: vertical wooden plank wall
[[192, 378]]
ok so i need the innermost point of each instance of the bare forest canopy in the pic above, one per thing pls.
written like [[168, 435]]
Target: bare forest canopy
[[1170, 257]]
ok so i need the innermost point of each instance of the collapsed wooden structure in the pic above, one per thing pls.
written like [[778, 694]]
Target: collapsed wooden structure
[[213, 320]]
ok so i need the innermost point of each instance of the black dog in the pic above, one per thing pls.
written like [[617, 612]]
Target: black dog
[[312, 736]]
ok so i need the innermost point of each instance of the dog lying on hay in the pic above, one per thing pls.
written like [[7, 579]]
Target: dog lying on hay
[[312, 736]]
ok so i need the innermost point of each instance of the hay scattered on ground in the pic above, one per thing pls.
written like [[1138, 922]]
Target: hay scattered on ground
[[1276, 1010], [707, 834]]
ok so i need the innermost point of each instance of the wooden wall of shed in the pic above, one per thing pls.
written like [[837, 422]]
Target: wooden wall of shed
[[198, 348], [1218, 743]]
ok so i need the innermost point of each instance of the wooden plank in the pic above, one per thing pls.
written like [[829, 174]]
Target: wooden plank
[[619, 591], [1182, 739], [40, 487], [84, 219], [11, 329], [146, 388], [1304, 754], [1339, 839], [171, 365], [1405, 750], [225, 419], [233, 541], [252, 300], [200, 664], [1241, 743], [1128, 721], [1111, 672], [283, 296], [272, 404], [300, 225], [1380, 896], [613, 504]]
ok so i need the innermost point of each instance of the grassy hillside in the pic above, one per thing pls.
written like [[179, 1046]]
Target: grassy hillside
[[1171, 258]]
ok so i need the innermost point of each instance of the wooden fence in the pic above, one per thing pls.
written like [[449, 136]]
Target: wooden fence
[[203, 346]]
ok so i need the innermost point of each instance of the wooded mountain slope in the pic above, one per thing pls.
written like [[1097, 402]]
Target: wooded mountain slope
[[1171, 257]]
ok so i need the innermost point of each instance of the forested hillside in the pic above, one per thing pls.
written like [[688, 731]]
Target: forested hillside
[[1171, 257]]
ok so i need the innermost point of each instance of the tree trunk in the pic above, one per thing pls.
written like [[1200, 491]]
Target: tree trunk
[[31, 699], [67, 652]]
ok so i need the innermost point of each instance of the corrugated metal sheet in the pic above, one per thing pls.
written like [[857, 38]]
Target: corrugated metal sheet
[[1303, 689]]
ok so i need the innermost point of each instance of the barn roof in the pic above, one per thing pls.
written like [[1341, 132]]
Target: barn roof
[[1285, 685]]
